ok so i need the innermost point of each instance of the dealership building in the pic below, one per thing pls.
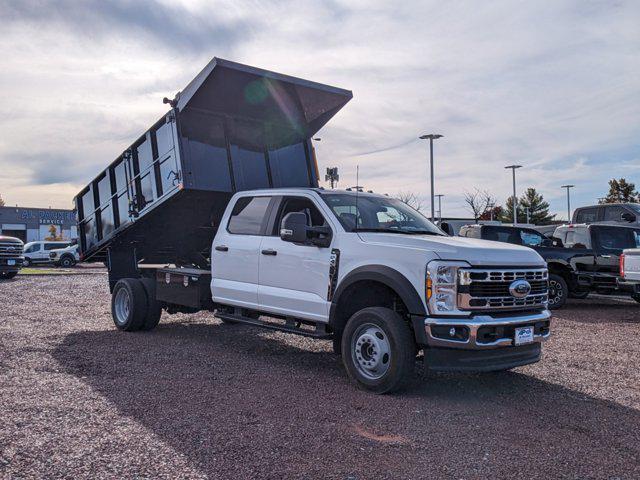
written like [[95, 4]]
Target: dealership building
[[30, 224]]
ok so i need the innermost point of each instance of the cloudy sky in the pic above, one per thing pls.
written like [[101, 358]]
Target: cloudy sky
[[554, 86]]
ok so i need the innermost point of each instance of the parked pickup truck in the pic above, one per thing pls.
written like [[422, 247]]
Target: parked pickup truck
[[11, 258], [238, 226], [581, 258]]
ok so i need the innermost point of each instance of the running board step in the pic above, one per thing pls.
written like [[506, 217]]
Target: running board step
[[320, 331]]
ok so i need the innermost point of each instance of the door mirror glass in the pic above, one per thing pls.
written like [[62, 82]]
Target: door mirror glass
[[294, 227], [628, 217]]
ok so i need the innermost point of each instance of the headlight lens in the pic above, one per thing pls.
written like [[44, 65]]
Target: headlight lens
[[442, 286]]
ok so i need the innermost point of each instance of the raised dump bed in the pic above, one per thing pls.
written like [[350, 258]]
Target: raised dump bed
[[234, 127]]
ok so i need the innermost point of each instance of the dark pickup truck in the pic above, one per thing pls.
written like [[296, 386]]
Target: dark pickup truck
[[10, 257], [581, 258]]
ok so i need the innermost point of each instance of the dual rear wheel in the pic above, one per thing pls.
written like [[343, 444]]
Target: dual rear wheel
[[133, 305]]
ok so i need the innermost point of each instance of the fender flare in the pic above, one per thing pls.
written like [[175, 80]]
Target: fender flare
[[387, 276]]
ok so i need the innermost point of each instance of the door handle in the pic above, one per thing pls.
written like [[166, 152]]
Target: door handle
[[222, 248], [269, 252]]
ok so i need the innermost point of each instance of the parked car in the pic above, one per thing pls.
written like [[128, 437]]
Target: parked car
[[250, 236], [581, 258], [65, 257], [623, 213], [38, 252], [11, 258]]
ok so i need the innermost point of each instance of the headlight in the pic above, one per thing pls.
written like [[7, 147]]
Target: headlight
[[442, 286]]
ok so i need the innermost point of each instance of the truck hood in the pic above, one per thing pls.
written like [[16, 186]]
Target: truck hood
[[471, 250]]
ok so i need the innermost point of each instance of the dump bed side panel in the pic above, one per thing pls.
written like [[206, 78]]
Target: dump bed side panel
[[142, 177]]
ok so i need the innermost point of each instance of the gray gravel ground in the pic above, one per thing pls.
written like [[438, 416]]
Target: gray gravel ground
[[200, 399]]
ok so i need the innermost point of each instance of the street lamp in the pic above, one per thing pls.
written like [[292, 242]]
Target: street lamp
[[568, 187], [515, 199], [431, 137], [440, 195]]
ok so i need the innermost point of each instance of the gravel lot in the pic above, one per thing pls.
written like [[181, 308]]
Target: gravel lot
[[200, 399]]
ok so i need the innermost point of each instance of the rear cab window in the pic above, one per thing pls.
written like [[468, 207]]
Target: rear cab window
[[587, 215], [249, 216], [613, 240]]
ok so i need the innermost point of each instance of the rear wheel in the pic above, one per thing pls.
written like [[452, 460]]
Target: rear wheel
[[154, 307], [129, 304], [636, 297], [378, 350], [558, 291]]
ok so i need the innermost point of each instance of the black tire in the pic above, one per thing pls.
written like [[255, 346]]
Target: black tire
[[558, 291], [154, 307], [26, 262], [67, 262], [131, 292], [636, 297], [7, 275], [363, 342], [579, 295]]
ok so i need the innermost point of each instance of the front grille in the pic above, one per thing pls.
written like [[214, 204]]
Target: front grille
[[489, 289], [10, 249]]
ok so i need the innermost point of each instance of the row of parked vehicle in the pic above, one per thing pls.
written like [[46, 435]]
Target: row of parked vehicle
[[601, 257], [14, 255]]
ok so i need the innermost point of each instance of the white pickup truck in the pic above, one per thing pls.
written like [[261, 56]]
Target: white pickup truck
[[367, 271]]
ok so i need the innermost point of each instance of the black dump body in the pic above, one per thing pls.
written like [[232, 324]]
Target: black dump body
[[233, 128]]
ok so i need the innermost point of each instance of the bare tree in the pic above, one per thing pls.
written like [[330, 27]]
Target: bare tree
[[411, 199], [1, 201], [478, 202]]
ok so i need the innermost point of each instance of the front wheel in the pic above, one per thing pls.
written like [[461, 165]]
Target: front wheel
[[26, 262], [636, 297], [378, 350], [558, 291], [7, 275]]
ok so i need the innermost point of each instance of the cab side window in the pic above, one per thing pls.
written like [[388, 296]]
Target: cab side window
[[248, 216], [302, 205], [613, 213]]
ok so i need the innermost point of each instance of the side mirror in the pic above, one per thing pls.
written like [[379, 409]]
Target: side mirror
[[320, 236], [546, 242], [628, 217], [294, 227]]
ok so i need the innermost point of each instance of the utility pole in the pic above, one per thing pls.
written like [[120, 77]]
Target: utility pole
[[568, 187], [515, 198], [431, 137]]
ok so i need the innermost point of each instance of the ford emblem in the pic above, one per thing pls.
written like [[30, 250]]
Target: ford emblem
[[520, 288]]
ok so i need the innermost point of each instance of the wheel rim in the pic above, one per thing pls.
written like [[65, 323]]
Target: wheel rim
[[66, 262], [371, 351], [555, 292], [122, 306]]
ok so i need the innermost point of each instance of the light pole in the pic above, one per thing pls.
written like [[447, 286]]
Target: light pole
[[515, 199], [440, 195], [431, 137], [568, 187]]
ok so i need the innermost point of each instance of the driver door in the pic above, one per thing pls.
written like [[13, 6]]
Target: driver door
[[294, 278]]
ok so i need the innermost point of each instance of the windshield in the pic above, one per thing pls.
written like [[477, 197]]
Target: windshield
[[360, 213]]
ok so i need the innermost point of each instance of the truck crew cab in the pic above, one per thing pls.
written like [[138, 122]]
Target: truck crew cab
[[363, 270]]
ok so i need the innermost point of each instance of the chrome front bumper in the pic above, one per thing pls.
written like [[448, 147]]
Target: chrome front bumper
[[475, 323]]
